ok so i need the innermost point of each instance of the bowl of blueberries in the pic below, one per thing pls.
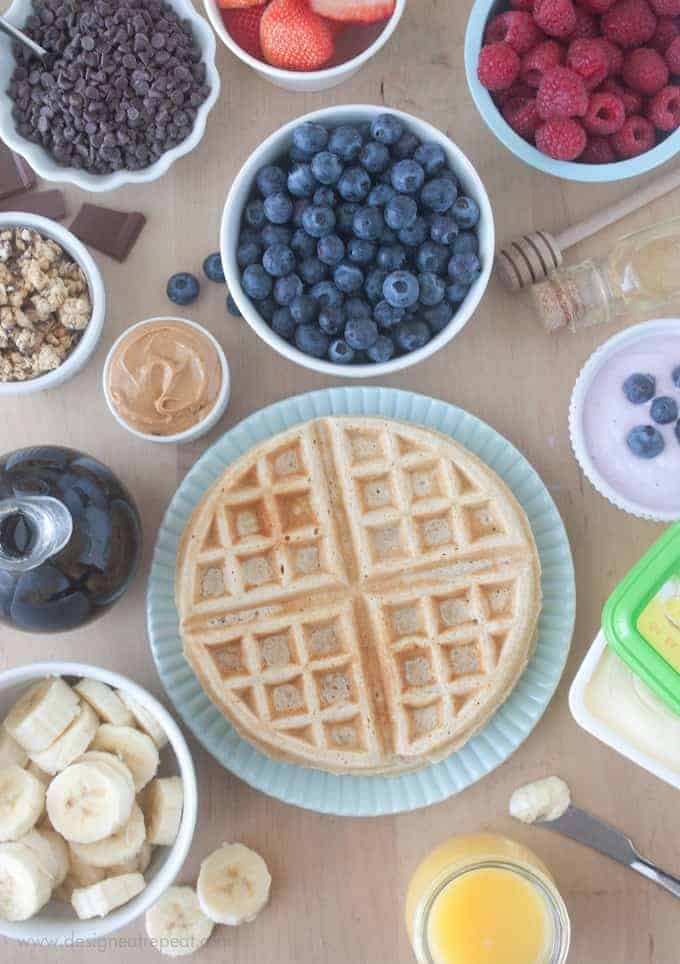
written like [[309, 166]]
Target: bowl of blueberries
[[357, 241]]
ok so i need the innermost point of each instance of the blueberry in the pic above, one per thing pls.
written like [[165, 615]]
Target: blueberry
[[310, 138], [411, 335], [407, 177], [433, 257], [645, 442], [457, 292], [276, 234], [331, 320], [232, 307], [365, 131], [401, 289], [327, 295], [346, 142], [464, 268], [325, 196], [386, 315], [326, 167], [355, 184], [318, 220], [466, 212], [375, 157], [639, 388], [302, 244], [183, 288], [360, 333], [299, 208], [415, 235], [250, 235], [298, 156], [368, 224], [406, 146], [301, 182], [381, 350], [438, 195], [248, 253], [311, 340], [391, 257], [467, 241], [283, 323], [270, 180], [438, 316], [432, 288], [381, 195], [278, 260], [331, 249], [267, 309], [431, 157], [387, 129], [348, 278], [401, 212], [304, 309], [361, 252], [345, 214], [254, 214], [256, 282], [312, 271], [443, 229], [374, 285], [664, 410], [340, 352], [286, 289], [676, 376], [358, 308], [212, 268], [388, 236], [278, 208]]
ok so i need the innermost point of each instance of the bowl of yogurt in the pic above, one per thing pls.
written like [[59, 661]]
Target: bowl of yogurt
[[624, 420]]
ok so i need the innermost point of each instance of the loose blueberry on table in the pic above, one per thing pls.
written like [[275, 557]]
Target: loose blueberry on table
[[647, 441], [361, 239]]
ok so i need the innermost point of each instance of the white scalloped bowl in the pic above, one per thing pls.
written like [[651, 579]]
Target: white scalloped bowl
[[47, 168]]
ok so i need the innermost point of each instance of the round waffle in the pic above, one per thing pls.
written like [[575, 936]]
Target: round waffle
[[358, 595]]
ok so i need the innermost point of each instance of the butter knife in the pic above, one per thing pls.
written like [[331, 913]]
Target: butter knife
[[593, 832]]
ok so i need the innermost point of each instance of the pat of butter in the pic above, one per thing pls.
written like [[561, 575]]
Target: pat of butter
[[542, 800]]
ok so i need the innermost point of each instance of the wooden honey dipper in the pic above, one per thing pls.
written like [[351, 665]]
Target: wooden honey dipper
[[531, 258]]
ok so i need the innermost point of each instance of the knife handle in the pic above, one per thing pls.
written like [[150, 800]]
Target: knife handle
[[660, 877]]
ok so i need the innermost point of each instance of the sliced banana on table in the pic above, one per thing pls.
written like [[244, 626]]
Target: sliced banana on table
[[144, 719], [22, 801], [11, 751], [176, 923], [136, 749], [51, 852], [100, 899], [106, 703], [163, 802], [42, 714], [120, 846], [233, 885], [89, 801], [25, 888], [71, 744]]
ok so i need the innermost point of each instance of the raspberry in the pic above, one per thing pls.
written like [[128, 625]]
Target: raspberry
[[586, 25], [522, 116], [556, 17], [632, 101], [597, 6], [614, 56], [561, 93], [666, 8], [598, 151], [547, 55], [666, 32], [562, 138], [501, 97], [673, 57], [605, 115], [645, 70], [515, 27], [588, 59], [498, 66], [663, 109], [635, 137], [629, 23]]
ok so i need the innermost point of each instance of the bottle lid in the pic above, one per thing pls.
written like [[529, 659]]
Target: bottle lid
[[641, 619]]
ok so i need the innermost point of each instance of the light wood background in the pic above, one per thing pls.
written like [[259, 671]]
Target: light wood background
[[339, 884]]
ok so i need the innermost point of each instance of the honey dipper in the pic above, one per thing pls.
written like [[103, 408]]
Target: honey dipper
[[531, 258]]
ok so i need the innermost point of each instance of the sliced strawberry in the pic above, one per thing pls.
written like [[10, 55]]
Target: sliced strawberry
[[293, 37], [354, 11], [238, 4], [244, 27]]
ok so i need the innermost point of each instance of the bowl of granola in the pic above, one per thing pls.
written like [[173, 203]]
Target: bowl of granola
[[52, 304]]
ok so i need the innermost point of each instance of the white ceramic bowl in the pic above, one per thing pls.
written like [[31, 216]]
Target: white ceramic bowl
[[314, 80], [85, 348], [57, 924], [269, 152], [196, 431], [48, 169]]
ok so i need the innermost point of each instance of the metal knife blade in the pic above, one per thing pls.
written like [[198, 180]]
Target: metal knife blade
[[593, 832]]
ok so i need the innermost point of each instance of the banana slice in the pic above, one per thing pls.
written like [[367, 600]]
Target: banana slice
[[89, 801], [233, 885], [24, 887], [51, 852], [176, 923], [10, 751], [136, 864], [42, 714], [105, 702], [163, 802], [39, 774], [22, 801], [144, 719], [111, 760], [71, 744], [137, 750], [100, 899], [122, 845]]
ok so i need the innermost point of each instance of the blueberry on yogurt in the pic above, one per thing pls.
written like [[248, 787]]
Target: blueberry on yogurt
[[639, 388], [645, 441], [664, 410]]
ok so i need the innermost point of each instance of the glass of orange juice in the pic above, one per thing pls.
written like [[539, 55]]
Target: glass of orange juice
[[484, 899]]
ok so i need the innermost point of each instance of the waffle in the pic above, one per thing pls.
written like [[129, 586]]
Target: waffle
[[358, 595]]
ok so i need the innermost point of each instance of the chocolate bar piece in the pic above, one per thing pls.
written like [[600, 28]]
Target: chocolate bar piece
[[15, 174], [50, 204], [112, 232]]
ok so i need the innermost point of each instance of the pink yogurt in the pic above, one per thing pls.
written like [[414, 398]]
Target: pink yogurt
[[608, 416]]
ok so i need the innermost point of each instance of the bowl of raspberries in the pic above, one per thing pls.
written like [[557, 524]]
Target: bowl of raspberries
[[357, 241], [587, 90]]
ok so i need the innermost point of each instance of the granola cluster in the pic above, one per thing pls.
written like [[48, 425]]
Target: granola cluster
[[44, 304]]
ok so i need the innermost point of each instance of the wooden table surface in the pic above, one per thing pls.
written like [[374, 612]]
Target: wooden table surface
[[339, 884]]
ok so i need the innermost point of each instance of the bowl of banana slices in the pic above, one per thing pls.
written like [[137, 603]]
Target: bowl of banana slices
[[98, 803]]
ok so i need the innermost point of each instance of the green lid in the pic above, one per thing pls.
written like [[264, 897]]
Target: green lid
[[641, 619]]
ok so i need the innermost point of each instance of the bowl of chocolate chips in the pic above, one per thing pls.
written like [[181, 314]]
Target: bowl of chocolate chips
[[125, 89]]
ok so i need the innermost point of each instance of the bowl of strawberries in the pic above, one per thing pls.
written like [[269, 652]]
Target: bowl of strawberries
[[587, 90], [305, 45]]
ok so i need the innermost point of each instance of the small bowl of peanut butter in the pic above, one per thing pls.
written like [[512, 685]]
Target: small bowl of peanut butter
[[167, 380]]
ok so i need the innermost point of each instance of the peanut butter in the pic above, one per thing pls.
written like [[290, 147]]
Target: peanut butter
[[164, 377]]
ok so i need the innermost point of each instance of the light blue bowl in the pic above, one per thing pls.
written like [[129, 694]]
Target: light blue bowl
[[482, 11]]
